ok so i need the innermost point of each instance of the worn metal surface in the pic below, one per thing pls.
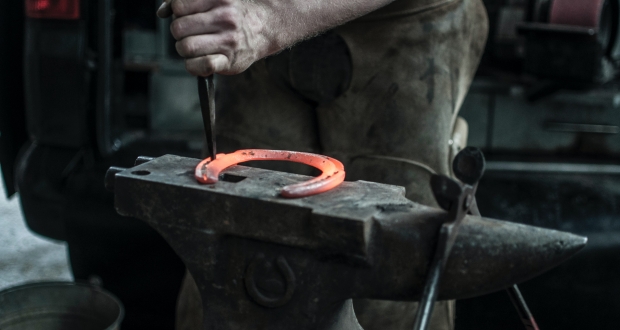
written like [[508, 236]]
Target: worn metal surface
[[59, 305], [309, 256]]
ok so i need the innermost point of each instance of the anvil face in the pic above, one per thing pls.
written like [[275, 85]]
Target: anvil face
[[265, 262], [246, 203]]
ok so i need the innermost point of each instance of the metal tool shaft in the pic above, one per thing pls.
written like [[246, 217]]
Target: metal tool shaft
[[524, 312], [431, 289], [448, 194], [206, 94], [515, 294]]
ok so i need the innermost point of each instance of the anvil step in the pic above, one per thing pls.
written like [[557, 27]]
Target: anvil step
[[360, 240]]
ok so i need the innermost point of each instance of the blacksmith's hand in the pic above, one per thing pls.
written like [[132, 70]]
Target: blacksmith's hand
[[227, 36], [217, 36]]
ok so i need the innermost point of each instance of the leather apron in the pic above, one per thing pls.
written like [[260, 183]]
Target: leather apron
[[411, 64]]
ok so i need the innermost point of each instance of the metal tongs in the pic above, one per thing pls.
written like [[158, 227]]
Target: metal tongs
[[459, 199]]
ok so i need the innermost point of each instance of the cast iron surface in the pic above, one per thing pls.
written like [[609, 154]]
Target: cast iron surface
[[456, 199], [264, 262]]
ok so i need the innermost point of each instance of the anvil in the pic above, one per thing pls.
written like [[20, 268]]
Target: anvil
[[266, 262]]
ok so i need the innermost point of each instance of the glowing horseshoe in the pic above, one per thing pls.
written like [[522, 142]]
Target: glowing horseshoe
[[333, 171]]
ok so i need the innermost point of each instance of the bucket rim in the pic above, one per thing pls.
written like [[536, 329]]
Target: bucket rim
[[42, 284]]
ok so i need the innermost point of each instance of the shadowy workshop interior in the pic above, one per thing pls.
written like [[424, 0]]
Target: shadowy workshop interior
[[99, 83]]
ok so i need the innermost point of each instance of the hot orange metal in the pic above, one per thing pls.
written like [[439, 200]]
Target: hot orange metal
[[333, 171]]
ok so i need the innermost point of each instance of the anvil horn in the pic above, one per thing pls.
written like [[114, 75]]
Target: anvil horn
[[507, 253], [488, 255]]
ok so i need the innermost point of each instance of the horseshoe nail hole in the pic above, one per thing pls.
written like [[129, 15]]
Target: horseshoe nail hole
[[142, 172], [232, 178]]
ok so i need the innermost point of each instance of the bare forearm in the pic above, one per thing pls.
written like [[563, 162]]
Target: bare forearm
[[290, 21], [227, 36]]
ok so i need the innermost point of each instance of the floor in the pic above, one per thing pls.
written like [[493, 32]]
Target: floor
[[24, 256]]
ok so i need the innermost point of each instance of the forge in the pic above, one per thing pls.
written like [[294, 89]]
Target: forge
[[263, 261]]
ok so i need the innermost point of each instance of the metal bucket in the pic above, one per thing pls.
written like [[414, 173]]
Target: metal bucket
[[59, 305]]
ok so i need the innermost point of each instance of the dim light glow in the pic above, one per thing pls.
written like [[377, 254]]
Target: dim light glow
[[41, 5], [53, 9]]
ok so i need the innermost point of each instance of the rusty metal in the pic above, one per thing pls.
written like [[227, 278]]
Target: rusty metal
[[359, 240]]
